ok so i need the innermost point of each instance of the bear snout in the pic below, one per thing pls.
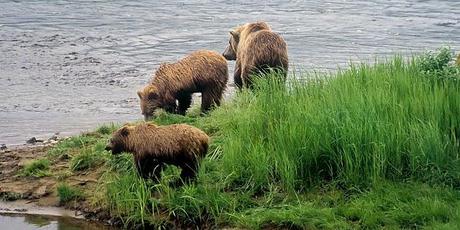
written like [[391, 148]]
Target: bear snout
[[108, 148], [229, 54]]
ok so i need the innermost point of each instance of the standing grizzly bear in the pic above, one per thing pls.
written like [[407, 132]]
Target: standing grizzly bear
[[256, 48], [153, 146], [202, 71]]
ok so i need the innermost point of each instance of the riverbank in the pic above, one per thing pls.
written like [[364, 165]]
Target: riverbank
[[29, 184], [370, 147]]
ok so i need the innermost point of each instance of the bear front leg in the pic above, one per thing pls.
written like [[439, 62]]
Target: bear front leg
[[188, 172], [184, 103], [170, 108], [140, 166], [207, 99]]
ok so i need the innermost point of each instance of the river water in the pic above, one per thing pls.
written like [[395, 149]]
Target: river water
[[68, 66], [41, 222]]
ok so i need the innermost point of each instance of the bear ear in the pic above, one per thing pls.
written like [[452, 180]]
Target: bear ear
[[152, 95], [139, 93], [234, 34], [124, 131]]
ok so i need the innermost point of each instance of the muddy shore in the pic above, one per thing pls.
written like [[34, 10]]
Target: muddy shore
[[38, 196]]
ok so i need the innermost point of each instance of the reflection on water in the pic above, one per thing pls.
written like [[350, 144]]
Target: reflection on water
[[32, 222], [67, 66]]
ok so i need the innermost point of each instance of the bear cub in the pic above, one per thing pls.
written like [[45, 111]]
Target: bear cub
[[153, 146], [202, 71]]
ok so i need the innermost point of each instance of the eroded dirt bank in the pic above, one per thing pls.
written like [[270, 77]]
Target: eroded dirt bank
[[31, 195]]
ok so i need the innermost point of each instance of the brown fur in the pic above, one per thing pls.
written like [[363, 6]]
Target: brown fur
[[154, 146], [256, 48], [201, 71]]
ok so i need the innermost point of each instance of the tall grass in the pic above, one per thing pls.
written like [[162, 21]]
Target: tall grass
[[369, 147], [387, 121]]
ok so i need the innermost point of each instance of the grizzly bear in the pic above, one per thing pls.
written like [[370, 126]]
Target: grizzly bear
[[201, 71], [256, 49], [154, 146]]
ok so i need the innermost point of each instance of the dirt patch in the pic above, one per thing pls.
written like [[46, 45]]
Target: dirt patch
[[20, 194]]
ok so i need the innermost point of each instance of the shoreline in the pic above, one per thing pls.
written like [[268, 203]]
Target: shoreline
[[29, 207], [351, 125], [37, 196]]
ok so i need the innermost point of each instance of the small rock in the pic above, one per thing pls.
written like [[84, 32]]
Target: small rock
[[33, 140], [3, 147], [53, 138]]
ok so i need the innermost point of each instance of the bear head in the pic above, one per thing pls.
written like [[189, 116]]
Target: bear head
[[150, 101], [230, 51], [118, 142], [241, 33]]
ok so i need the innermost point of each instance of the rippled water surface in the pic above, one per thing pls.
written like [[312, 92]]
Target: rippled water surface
[[69, 66]]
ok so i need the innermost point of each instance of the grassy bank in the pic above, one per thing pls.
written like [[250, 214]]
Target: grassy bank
[[374, 146]]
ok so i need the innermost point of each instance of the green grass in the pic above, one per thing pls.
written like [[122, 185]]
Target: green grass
[[65, 147], [107, 129], [375, 146], [363, 125], [36, 168], [89, 157], [67, 193]]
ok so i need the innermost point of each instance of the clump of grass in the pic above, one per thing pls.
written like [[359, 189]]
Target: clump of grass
[[36, 168], [130, 199], [408, 205], [10, 196], [67, 193], [64, 148], [300, 216], [121, 163], [439, 65], [107, 129], [87, 159], [164, 118]]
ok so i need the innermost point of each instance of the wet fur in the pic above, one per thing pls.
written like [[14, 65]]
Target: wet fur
[[256, 49], [202, 71], [155, 146]]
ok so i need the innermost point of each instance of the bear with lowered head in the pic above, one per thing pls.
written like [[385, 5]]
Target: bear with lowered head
[[153, 146], [202, 71]]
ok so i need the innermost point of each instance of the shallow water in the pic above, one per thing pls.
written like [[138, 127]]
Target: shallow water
[[67, 67], [36, 222]]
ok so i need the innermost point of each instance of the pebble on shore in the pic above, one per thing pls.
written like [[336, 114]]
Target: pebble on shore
[[33, 140]]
